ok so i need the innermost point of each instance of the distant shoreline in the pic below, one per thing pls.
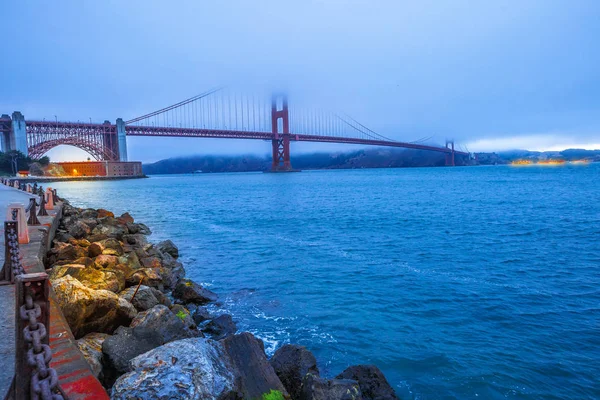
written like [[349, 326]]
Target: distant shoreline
[[76, 178]]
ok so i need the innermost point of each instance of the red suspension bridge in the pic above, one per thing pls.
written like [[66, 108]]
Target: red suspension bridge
[[218, 113]]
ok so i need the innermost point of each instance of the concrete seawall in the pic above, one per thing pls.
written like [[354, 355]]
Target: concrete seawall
[[75, 377]]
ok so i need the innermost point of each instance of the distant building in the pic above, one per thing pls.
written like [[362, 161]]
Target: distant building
[[101, 168]]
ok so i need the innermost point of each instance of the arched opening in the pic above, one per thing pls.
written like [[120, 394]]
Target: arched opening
[[93, 151]]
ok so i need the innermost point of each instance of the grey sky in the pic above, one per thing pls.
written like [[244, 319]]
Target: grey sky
[[490, 74]]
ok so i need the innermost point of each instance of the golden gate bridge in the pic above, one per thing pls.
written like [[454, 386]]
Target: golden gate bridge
[[217, 113]]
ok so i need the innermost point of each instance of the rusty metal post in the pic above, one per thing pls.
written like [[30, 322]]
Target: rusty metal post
[[42, 212], [33, 220]]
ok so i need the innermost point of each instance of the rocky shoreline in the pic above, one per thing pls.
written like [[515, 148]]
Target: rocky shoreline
[[143, 327]]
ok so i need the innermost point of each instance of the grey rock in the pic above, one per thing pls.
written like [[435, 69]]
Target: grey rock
[[144, 298], [252, 369], [128, 343], [190, 292], [373, 384], [291, 363], [315, 388], [184, 315], [168, 247], [220, 327], [200, 315], [79, 230], [163, 321], [187, 369]]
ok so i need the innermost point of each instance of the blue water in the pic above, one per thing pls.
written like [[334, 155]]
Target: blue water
[[459, 283]]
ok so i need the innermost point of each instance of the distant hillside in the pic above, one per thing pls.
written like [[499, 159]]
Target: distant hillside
[[506, 157], [368, 158]]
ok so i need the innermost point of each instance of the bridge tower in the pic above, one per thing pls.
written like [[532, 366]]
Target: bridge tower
[[18, 133], [450, 155], [281, 143], [121, 140]]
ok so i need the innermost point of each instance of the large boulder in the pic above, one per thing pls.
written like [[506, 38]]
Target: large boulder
[[104, 230], [148, 276], [315, 388], [125, 218], [188, 291], [291, 363], [255, 375], [90, 277], [198, 368], [200, 315], [184, 315], [168, 247], [89, 213], [91, 347], [138, 228], [102, 213], [105, 261], [188, 369], [110, 247], [144, 298], [65, 252], [220, 327], [79, 229], [131, 260], [160, 319], [87, 310], [128, 343], [135, 240], [371, 380]]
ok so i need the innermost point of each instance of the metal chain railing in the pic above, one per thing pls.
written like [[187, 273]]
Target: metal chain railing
[[34, 378]]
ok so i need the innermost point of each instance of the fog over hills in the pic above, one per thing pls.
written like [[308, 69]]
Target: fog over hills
[[366, 158]]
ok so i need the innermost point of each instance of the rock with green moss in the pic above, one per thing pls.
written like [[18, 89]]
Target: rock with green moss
[[184, 315], [373, 384], [160, 319]]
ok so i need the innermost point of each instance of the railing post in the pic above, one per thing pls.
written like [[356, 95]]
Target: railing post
[[16, 212], [49, 199], [42, 212], [33, 219]]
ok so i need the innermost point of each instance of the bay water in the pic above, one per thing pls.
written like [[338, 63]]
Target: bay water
[[459, 283]]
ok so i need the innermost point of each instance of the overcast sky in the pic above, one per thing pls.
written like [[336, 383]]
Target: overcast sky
[[492, 75]]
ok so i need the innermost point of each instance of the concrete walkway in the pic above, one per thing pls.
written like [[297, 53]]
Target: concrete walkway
[[7, 296]]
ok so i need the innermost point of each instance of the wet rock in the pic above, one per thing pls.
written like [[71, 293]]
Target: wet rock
[[144, 298], [90, 277], [315, 388], [187, 369], [371, 380], [128, 343], [184, 315], [168, 247], [200, 315], [291, 363], [160, 319], [220, 327], [255, 375], [79, 230], [91, 347], [189, 291], [83, 243], [102, 213], [87, 310], [171, 276]]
